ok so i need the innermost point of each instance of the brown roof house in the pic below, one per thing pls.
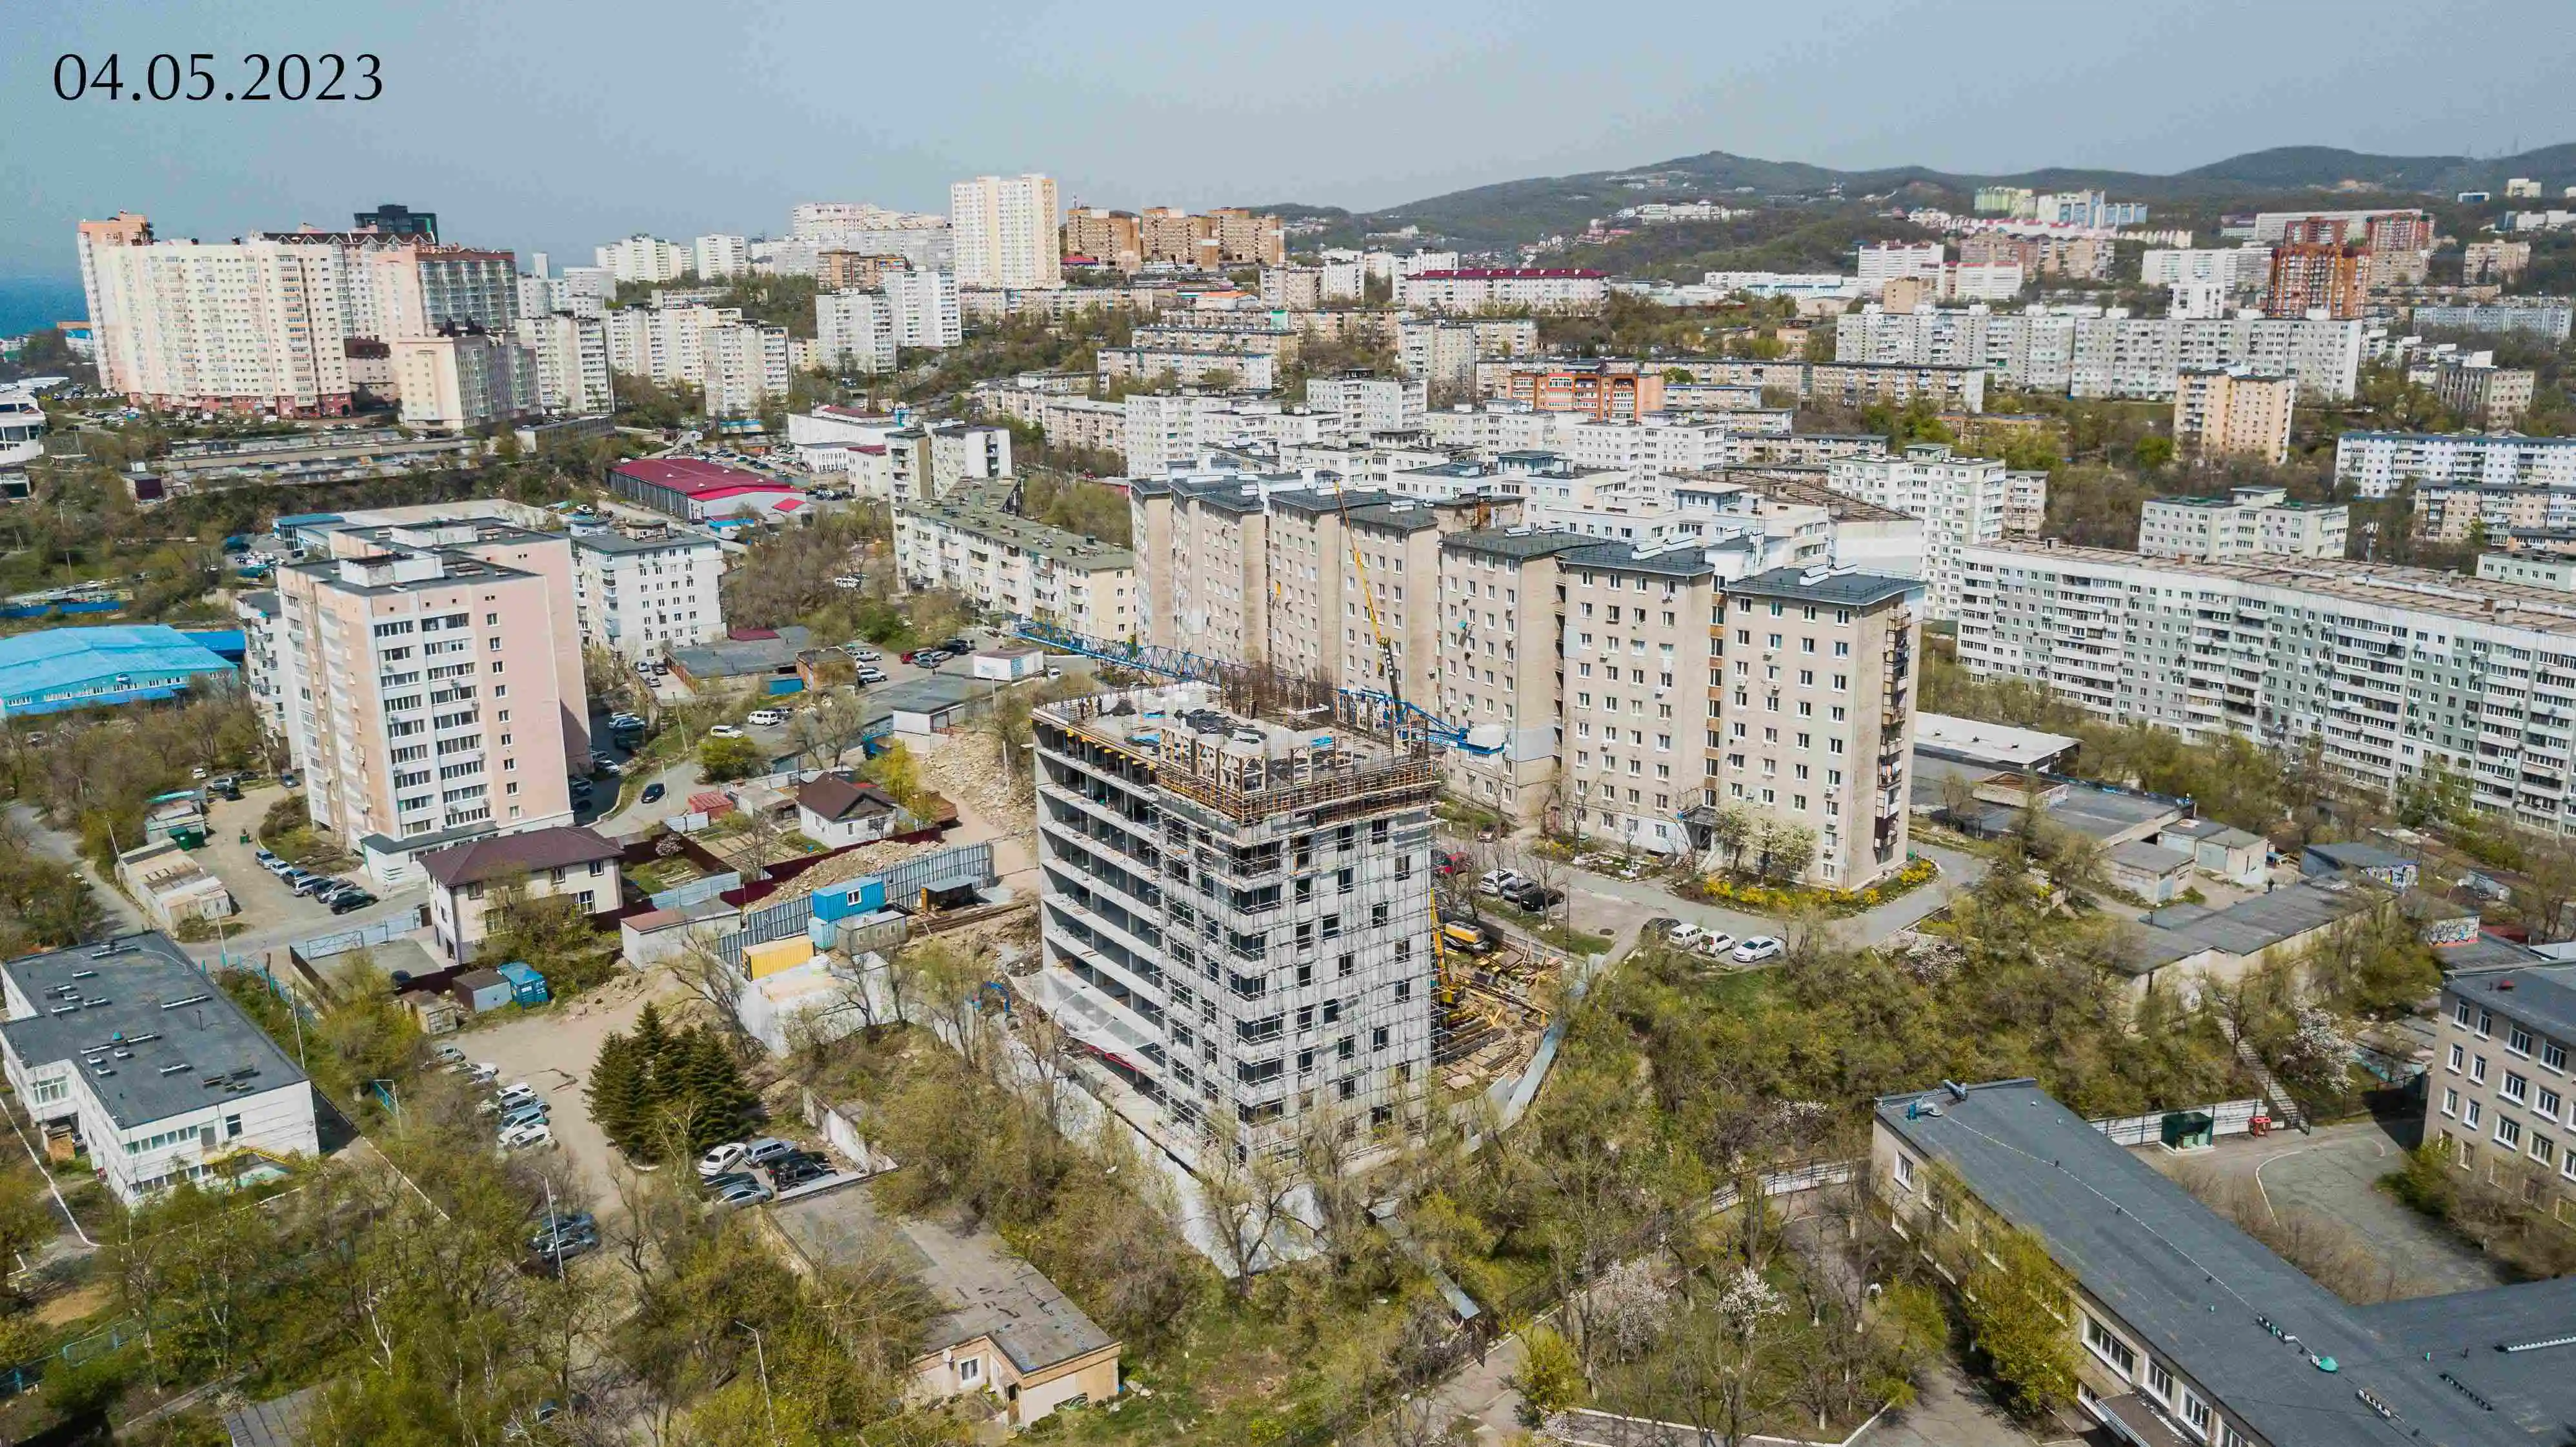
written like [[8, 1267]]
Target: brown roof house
[[465, 880], [1004, 1329], [837, 811]]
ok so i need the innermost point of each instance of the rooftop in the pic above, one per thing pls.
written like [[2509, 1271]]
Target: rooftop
[[165, 1040], [984, 1288], [2250, 926], [1516, 543], [2370, 585], [1686, 560], [1978, 742], [607, 542], [1841, 587], [506, 856], [2539, 995], [690, 475], [741, 657], [1009, 530], [66, 658], [836, 797], [2223, 1307]]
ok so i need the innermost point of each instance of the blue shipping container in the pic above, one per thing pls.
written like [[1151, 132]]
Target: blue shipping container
[[864, 895], [526, 986], [790, 684]]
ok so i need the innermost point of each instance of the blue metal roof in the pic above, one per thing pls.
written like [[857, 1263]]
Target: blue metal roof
[[68, 667]]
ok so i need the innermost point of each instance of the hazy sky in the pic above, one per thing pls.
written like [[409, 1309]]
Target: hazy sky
[[541, 124]]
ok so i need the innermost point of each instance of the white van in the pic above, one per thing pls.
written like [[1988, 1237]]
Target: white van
[[762, 718]]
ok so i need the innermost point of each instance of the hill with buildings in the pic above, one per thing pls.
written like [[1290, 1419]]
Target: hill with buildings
[[1509, 213]]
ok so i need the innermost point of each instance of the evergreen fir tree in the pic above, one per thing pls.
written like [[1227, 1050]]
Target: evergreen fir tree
[[621, 1094], [720, 1107]]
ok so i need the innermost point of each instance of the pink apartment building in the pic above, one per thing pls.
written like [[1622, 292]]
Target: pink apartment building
[[432, 687]]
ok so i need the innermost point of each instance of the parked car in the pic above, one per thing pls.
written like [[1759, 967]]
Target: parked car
[[1685, 935], [527, 1137], [1534, 896], [930, 658], [1757, 949], [956, 646], [517, 1092], [722, 1159], [484, 1072], [653, 793], [265, 858], [1449, 861], [866, 655], [448, 1056], [349, 901], [1715, 945], [1496, 881], [565, 1241], [767, 718], [742, 1193], [532, 1113], [871, 675], [1661, 927], [717, 1185], [907, 655], [766, 1149], [724, 731], [848, 580], [804, 1171], [313, 884], [1053, 673]]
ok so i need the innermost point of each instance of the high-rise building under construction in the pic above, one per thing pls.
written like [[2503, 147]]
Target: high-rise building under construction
[[1237, 915]]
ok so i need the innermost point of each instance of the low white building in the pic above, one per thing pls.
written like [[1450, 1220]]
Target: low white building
[[163, 1076], [645, 596], [837, 811], [467, 881]]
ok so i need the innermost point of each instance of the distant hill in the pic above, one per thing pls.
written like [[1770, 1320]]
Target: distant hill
[[1512, 212]]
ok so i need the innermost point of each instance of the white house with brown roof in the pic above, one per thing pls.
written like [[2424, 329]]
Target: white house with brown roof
[[837, 811], [467, 880]]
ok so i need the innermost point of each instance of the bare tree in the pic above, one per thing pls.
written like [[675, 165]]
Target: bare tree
[[1247, 1194], [713, 982]]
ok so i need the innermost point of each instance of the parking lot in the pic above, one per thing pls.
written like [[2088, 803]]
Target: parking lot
[[268, 912], [552, 1051]]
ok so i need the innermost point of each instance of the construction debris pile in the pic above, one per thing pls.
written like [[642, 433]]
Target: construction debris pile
[[1494, 1018], [967, 767], [841, 868]]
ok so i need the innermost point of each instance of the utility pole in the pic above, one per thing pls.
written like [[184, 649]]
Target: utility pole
[[760, 1352]]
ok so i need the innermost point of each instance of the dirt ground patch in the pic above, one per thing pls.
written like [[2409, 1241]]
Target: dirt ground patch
[[75, 1305], [968, 765]]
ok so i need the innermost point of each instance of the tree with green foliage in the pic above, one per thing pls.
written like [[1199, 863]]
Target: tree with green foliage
[[620, 1092], [2016, 1300], [720, 759]]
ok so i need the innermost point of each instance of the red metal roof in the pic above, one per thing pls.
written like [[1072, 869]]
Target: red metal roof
[[689, 474]]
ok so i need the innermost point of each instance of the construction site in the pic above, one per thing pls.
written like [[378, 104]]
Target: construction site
[[1237, 918]]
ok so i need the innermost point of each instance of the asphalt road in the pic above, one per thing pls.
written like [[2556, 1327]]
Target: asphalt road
[[1617, 906]]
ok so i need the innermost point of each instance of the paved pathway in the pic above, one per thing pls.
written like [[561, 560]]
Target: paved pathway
[[1615, 906], [53, 843], [2333, 1175]]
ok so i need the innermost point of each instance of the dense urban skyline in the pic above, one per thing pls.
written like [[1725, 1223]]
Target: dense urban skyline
[[1097, 106]]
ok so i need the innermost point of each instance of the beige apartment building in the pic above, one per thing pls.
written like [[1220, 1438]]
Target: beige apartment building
[[1813, 722], [432, 686], [1637, 645], [2233, 412], [249, 326], [1502, 669], [1587, 677], [2497, 1099], [461, 380]]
